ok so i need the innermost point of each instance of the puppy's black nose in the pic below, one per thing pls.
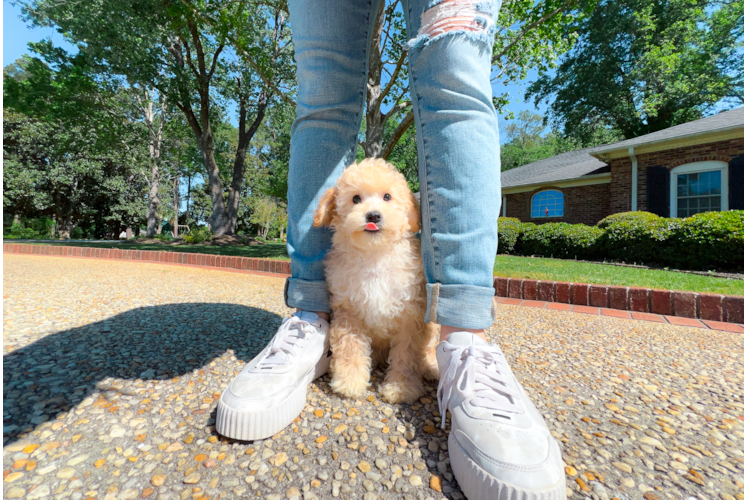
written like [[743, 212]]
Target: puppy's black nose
[[374, 217]]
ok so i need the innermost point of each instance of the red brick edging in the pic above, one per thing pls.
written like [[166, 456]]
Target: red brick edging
[[198, 259], [616, 313], [705, 306]]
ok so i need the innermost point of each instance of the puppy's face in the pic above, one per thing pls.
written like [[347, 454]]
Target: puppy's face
[[370, 204]]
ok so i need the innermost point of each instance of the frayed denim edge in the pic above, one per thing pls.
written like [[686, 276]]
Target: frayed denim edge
[[483, 36], [486, 7]]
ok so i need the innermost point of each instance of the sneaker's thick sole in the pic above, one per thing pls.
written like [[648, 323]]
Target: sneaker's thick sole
[[477, 484], [261, 424]]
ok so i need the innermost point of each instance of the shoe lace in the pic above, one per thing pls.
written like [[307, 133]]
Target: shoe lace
[[481, 375], [287, 343]]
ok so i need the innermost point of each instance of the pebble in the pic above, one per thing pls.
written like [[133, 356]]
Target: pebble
[[129, 361]]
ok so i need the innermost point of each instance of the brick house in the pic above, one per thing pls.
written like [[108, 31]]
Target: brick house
[[677, 172]]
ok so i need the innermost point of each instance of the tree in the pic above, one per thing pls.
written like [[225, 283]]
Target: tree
[[198, 55], [71, 150], [530, 34], [644, 65], [264, 214], [153, 108]]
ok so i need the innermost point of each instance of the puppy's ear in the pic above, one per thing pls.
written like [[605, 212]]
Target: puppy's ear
[[414, 214], [326, 209]]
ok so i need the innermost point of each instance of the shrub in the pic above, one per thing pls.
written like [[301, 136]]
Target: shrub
[[164, 236], [509, 230], [18, 232], [708, 241], [198, 235], [635, 237], [623, 217], [560, 240]]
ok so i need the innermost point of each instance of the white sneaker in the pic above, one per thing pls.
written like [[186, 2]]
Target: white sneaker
[[499, 445], [271, 390]]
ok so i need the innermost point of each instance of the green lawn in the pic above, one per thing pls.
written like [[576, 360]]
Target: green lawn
[[507, 266], [274, 250], [582, 272]]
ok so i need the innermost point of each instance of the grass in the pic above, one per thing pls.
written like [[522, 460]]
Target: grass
[[274, 250], [507, 266], [603, 274]]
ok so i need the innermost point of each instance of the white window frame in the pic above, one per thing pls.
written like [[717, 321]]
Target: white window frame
[[694, 168], [563, 207]]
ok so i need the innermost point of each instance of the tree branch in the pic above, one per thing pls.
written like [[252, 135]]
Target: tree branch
[[395, 72], [399, 131], [244, 52], [527, 29]]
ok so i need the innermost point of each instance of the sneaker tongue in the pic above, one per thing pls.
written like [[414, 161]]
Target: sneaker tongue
[[465, 338], [307, 316]]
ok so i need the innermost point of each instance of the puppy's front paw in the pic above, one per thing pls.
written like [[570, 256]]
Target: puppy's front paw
[[349, 386], [401, 392], [430, 367], [431, 371]]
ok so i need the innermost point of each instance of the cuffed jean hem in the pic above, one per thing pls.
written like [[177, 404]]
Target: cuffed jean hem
[[460, 306], [307, 295]]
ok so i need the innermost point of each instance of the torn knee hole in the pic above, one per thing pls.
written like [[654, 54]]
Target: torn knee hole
[[454, 15]]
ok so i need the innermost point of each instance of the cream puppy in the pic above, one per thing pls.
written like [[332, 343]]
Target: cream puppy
[[378, 290]]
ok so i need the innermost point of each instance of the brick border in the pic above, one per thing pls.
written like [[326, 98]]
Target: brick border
[[616, 313], [196, 259], [639, 301]]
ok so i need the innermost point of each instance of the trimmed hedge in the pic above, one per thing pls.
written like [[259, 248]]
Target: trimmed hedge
[[509, 230], [560, 240], [710, 240], [706, 241], [635, 237]]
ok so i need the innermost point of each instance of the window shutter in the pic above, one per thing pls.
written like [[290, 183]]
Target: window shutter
[[735, 175], [658, 191]]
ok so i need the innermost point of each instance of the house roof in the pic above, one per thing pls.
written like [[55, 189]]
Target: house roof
[[571, 165], [727, 120], [587, 162]]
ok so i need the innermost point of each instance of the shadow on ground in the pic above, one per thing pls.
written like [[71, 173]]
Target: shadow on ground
[[56, 373]]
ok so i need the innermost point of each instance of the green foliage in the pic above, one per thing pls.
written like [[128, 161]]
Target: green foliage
[[164, 236], [18, 232], [509, 231], [635, 237], [640, 66], [711, 240], [200, 234], [559, 240], [524, 141], [706, 241]]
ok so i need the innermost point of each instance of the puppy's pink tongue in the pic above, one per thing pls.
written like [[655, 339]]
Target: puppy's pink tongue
[[371, 227]]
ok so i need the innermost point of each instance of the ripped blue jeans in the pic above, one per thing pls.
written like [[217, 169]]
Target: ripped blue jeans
[[449, 63]]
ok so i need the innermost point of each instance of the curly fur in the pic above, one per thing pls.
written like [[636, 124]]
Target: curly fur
[[377, 285]]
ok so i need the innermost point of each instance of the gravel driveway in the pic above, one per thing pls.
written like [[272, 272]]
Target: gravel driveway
[[112, 371]]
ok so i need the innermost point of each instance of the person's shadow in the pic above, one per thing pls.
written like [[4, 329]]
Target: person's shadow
[[57, 372]]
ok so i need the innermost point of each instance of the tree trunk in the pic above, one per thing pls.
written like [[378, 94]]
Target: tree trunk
[[155, 137], [176, 207], [245, 136], [374, 117], [128, 233], [153, 222]]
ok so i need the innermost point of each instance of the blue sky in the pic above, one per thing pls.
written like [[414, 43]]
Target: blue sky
[[17, 34]]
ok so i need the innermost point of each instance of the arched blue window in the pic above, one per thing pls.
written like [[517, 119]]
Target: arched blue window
[[548, 203]]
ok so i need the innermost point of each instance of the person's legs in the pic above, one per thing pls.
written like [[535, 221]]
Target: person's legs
[[331, 43], [499, 445], [331, 40], [459, 168]]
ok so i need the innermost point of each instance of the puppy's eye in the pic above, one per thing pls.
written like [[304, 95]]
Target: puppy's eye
[[357, 199], [387, 197]]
